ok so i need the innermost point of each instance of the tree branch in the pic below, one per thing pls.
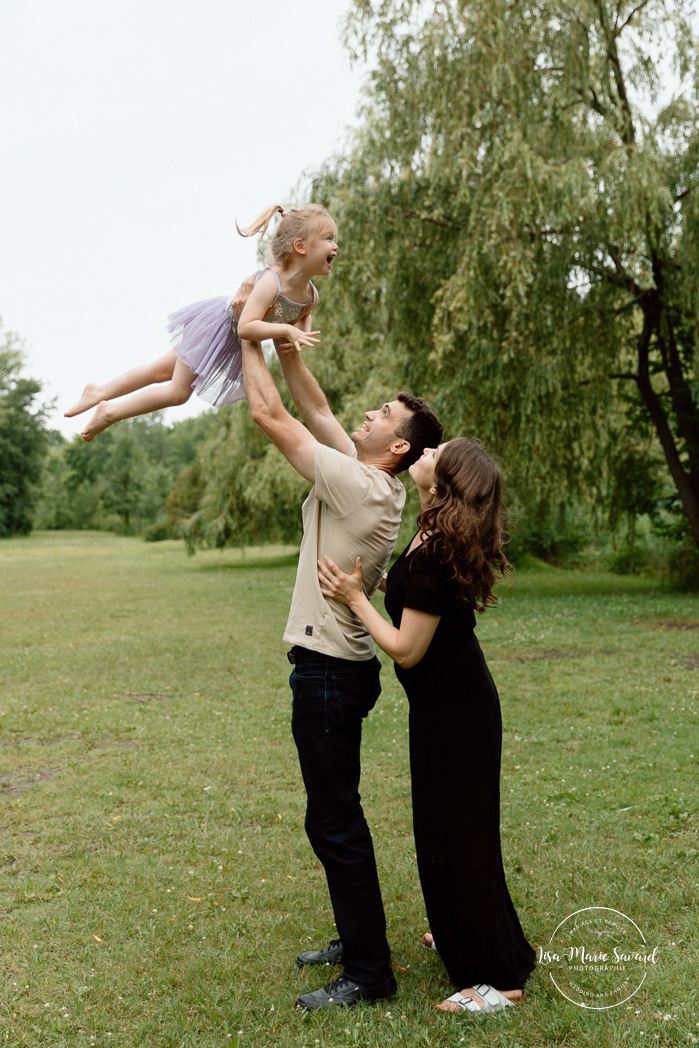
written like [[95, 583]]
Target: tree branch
[[628, 129], [685, 488], [619, 278], [680, 392], [619, 29], [683, 194], [590, 98]]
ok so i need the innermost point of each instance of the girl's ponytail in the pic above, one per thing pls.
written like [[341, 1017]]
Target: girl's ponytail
[[261, 222], [297, 222]]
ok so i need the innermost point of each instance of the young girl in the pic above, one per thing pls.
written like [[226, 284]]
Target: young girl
[[207, 356]]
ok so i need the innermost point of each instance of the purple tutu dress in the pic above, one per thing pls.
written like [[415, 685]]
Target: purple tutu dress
[[204, 336]]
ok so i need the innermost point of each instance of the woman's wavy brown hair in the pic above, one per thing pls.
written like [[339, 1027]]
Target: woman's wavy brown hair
[[463, 520]]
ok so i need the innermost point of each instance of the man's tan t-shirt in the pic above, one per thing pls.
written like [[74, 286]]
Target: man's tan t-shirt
[[353, 510]]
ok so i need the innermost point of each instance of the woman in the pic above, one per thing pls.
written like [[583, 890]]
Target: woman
[[432, 591]]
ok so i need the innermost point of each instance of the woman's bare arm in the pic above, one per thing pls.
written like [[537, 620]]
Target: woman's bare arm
[[408, 644]]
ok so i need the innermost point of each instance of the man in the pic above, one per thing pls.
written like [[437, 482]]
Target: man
[[353, 509]]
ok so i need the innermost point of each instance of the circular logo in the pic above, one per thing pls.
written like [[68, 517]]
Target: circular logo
[[598, 958]]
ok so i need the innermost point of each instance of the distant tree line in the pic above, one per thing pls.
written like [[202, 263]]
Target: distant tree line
[[122, 480], [215, 481], [23, 438]]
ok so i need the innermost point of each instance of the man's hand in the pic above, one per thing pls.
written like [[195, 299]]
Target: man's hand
[[291, 437], [241, 296]]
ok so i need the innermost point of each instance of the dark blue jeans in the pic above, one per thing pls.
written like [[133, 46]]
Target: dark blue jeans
[[331, 697]]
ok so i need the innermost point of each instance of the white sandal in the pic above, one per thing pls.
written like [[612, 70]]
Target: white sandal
[[493, 1000], [428, 942]]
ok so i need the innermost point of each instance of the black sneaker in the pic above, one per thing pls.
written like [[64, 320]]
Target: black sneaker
[[344, 991], [331, 954]]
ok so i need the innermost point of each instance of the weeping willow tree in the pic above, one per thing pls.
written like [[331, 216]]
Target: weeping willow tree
[[239, 491], [519, 230]]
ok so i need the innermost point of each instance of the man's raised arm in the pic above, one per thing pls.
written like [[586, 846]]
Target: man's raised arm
[[290, 436], [312, 403], [307, 395]]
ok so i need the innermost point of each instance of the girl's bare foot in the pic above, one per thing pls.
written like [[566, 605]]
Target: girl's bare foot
[[91, 395], [99, 422], [479, 1001]]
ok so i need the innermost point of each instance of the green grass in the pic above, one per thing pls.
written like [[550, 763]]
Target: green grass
[[155, 879]]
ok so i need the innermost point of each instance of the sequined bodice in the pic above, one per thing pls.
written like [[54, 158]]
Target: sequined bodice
[[284, 311]]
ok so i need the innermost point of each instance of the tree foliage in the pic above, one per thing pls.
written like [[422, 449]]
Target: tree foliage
[[239, 491], [519, 243], [23, 439], [120, 481], [519, 229]]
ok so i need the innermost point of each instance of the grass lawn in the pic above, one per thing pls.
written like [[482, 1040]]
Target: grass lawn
[[155, 878]]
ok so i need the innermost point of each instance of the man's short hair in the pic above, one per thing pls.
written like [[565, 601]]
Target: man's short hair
[[422, 429]]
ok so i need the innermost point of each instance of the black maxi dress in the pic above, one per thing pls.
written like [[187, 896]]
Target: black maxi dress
[[455, 744]]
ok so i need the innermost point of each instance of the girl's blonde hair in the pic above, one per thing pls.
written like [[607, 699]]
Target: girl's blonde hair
[[299, 222]]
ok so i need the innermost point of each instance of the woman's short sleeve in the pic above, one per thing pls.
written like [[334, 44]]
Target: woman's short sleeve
[[428, 587]]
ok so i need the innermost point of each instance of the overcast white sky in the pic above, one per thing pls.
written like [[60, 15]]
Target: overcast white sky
[[133, 133]]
